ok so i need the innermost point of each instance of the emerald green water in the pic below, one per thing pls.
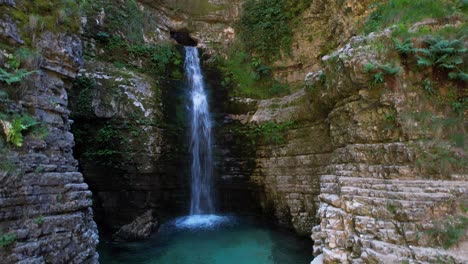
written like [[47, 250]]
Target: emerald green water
[[218, 240]]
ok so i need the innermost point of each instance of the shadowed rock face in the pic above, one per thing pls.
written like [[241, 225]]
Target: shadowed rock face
[[141, 228], [183, 38], [44, 203]]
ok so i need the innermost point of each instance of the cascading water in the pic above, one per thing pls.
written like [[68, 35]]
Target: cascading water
[[200, 138], [202, 237]]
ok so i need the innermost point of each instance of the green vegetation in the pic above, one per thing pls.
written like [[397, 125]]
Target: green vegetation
[[13, 73], [380, 71], [125, 18], [36, 17], [39, 220], [83, 106], [449, 233], [14, 77], [443, 54], [265, 34], [407, 12], [15, 126], [162, 60], [265, 26], [441, 152], [391, 207], [7, 240], [104, 146], [248, 76]]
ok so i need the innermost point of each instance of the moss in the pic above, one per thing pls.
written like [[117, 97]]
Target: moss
[[35, 17], [83, 107]]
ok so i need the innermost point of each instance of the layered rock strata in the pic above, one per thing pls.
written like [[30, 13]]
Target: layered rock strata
[[45, 206]]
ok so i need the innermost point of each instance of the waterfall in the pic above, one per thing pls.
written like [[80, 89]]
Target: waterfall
[[200, 138]]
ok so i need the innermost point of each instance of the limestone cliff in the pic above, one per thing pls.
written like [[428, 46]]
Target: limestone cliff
[[356, 160], [45, 206]]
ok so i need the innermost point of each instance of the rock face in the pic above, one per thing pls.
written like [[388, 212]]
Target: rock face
[[139, 229], [123, 146], [45, 206], [356, 155]]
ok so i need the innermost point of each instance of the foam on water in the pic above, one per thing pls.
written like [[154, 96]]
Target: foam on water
[[201, 221]]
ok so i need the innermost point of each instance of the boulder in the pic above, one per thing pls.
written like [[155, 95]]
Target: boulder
[[141, 228]]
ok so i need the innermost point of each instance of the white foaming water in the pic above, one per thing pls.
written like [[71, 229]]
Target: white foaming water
[[201, 221], [200, 138]]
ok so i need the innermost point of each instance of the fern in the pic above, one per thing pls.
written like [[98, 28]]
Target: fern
[[441, 53], [404, 48], [425, 61], [378, 78], [449, 62], [13, 130], [14, 77], [462, 76], [369, 67], [389, 69]]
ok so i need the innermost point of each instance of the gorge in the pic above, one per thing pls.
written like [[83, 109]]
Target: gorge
[[324, 128]]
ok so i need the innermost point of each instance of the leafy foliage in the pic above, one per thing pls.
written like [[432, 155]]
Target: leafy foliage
[[380, 71], [265, 25], [405, 47], [13, 129], [441, 53], [15, 77]]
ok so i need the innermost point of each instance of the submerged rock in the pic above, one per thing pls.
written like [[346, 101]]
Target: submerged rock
[[140, 228]]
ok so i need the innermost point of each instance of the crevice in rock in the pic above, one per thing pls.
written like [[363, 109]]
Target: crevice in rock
[[183, 38]]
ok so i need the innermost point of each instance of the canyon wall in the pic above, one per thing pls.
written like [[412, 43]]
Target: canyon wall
[[45, 206], [355, 163]]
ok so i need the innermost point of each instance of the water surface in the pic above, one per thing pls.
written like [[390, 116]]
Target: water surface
[[215, 240]]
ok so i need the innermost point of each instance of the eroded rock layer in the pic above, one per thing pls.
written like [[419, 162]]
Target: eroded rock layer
[[45, 206]]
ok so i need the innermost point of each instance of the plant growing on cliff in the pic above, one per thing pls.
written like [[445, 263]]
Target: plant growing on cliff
[[405, 47], [7, 240], [83, 107], [265, 26], [443, 54], [14, 128], [379, 71], [15, 76], [449, 233], [387, 13]]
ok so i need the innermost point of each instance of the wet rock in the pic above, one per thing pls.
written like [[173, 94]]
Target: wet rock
[[141, 228]]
